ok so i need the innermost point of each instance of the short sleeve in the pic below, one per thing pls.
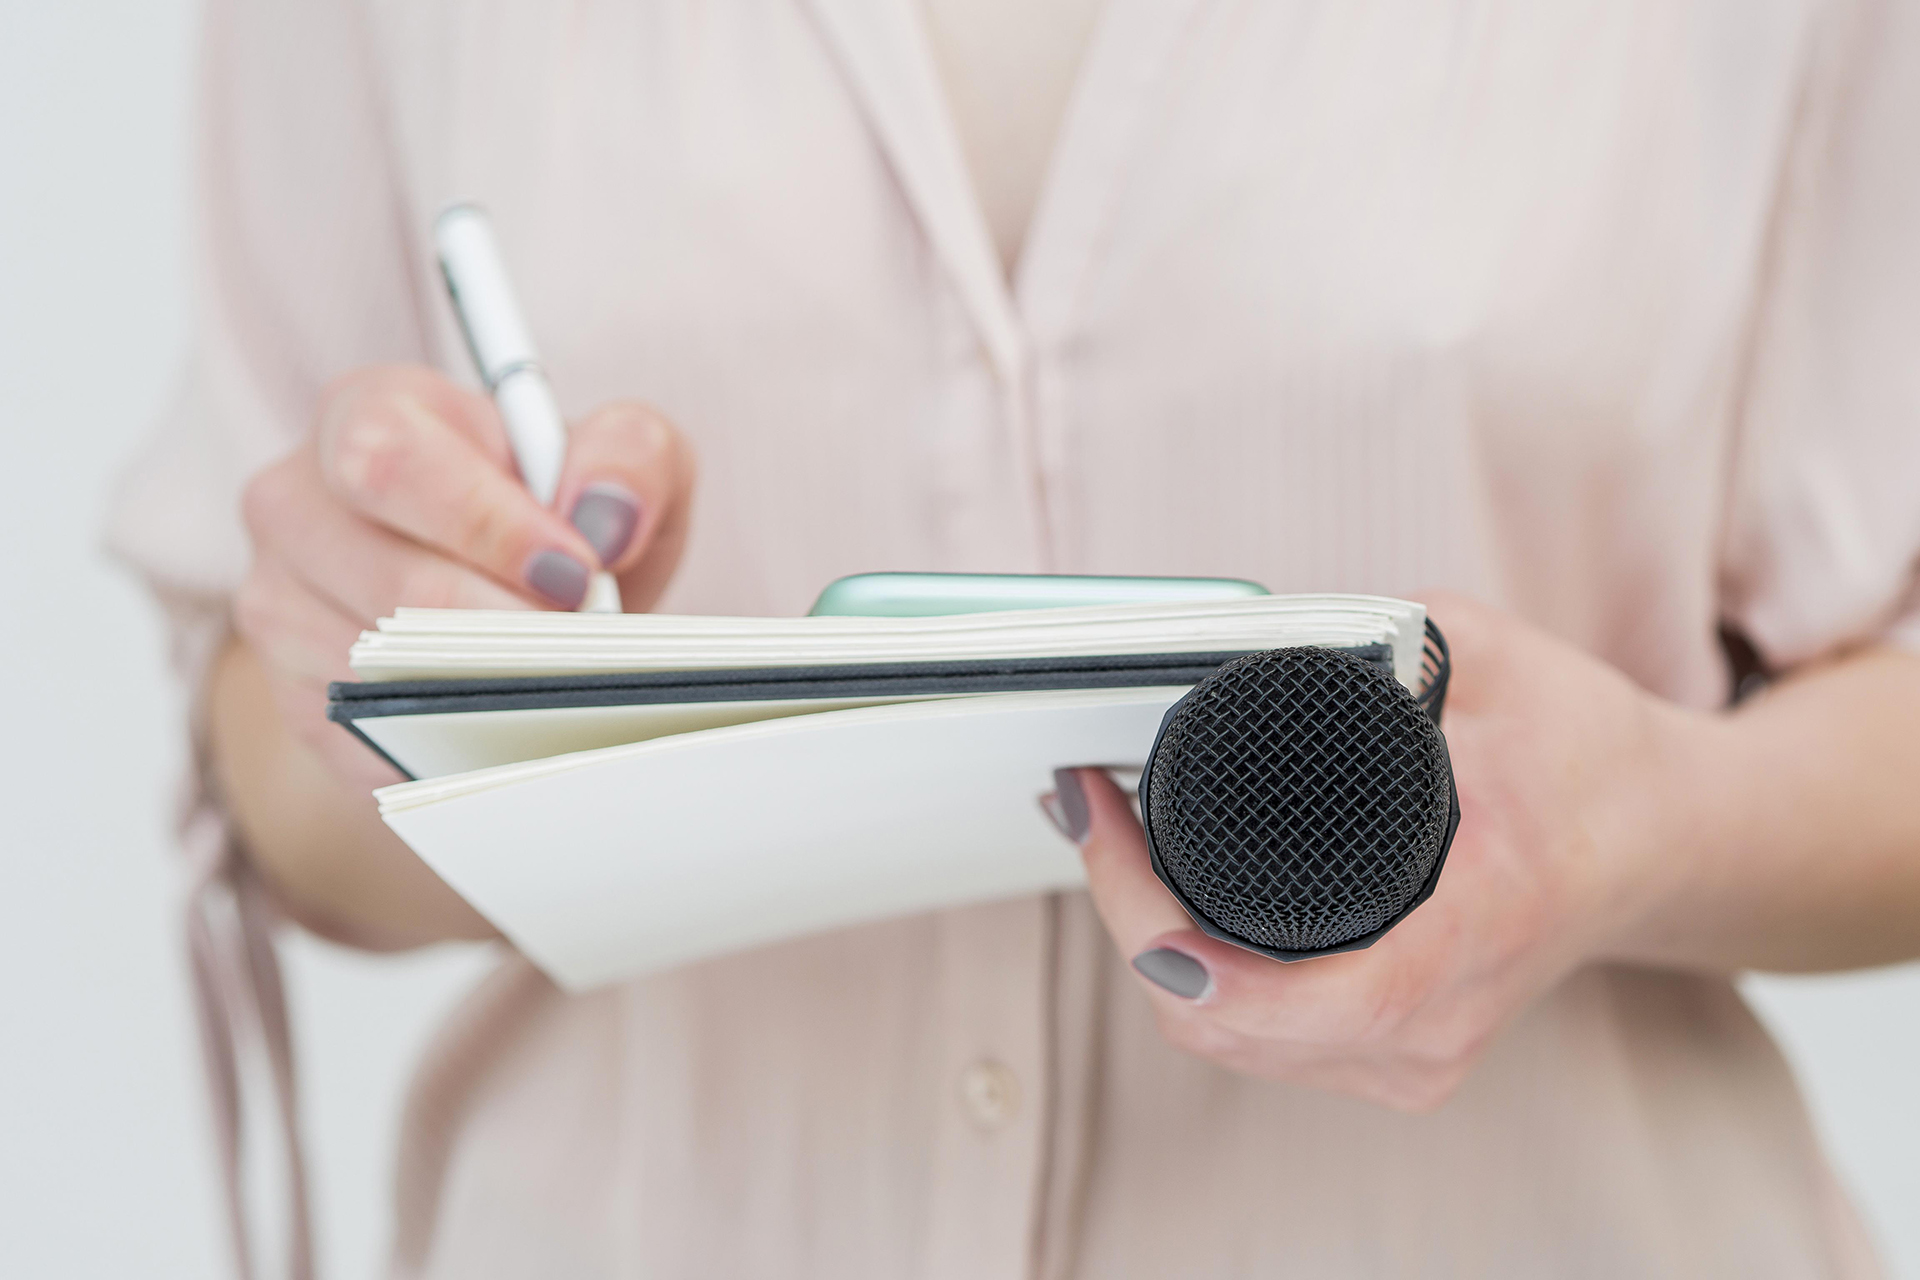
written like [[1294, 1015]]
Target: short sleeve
[[1822, 542], [302, 269], [301, 272]]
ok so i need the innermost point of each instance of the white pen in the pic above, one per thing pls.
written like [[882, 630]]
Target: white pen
[[504, 354]]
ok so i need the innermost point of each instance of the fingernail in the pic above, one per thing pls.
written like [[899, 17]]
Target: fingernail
[[606, 516], [1174, 971], [559, 577], [1070, 801], [1050, 805]]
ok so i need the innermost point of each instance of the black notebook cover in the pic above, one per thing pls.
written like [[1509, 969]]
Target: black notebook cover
[[350, 701]]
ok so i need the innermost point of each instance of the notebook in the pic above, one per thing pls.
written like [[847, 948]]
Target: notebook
[[625, 793]]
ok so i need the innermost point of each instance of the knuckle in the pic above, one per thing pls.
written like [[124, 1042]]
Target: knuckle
[[1199, 1036], [1455, 1046], [1425, 1092], [481, 529], [428, 586], [1388, 1002], [443, 584], [368, 451], [645, 434], [264, 498]]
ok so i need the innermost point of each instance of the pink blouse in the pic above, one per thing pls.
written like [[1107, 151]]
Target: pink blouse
[[1606, 313]]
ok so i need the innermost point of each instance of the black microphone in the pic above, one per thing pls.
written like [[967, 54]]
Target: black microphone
[[1300, 802]]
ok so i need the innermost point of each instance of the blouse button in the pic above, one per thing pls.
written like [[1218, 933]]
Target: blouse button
[[989, 1094]]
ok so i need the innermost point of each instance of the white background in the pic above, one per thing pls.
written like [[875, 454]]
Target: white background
[[105, 1170]]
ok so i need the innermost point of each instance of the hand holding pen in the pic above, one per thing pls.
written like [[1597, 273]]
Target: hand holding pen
[[503, 352], [411, 490]]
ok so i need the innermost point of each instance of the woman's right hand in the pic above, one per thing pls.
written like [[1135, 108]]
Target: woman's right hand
[[406, 494]]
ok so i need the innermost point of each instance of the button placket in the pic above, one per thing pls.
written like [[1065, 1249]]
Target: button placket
[[990, 1136]]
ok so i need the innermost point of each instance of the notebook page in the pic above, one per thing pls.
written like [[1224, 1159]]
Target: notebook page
[[605, 865], [425, 644]]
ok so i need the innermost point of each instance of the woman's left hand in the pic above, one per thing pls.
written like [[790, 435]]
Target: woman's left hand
[[1571, 782]]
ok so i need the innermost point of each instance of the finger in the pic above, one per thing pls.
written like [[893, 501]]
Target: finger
[[627, 488], [302, 710], [362, 569], [1389, 1075], [1328, 1000], [1151, 929], [298, 633], [472, 412], [300, 643], [1382, 1081], [402, 460]]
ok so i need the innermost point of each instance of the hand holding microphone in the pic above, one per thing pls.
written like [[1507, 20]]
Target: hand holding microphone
[[1557, 859]]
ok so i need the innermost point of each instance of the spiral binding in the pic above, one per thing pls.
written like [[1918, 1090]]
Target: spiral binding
[[1436, 667]]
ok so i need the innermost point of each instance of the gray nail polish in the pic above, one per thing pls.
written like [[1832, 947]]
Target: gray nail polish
[[606, 516], [1073, 817], [1174, 971], [1050, 805], [559, 577]]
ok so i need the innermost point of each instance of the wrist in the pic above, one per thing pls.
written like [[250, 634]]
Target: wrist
[[317, 844], [1666, 823]]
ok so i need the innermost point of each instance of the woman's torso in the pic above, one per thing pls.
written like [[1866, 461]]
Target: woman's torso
[[1331, 296]]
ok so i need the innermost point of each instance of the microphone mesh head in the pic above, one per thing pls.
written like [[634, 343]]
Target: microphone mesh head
[[1299, 800]]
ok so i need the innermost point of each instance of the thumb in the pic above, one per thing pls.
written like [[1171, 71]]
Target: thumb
[[627, 487]]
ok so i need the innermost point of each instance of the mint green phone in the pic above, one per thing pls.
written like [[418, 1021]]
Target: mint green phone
[[921, 595]]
